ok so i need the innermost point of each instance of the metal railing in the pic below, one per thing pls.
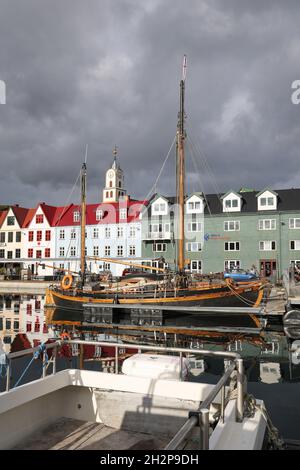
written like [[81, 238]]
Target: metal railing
[[199, 417]]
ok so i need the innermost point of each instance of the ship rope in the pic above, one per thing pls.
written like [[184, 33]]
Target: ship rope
[[250, 408], [41, 349]]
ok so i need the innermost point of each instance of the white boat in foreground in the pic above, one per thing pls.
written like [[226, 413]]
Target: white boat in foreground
[[84, 409]]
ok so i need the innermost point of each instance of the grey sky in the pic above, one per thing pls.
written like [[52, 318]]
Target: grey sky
[[106, 72]]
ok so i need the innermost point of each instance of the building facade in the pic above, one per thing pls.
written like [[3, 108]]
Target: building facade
[[242, 229]]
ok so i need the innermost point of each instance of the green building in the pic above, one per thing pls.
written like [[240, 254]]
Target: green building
[[244, 229]]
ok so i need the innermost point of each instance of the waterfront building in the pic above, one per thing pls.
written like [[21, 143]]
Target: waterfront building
[[12, 238], [245, 229]]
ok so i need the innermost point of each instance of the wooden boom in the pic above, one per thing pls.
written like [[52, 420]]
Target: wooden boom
[[126, 263], [58, 269]]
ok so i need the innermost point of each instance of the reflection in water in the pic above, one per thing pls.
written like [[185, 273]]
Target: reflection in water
[[269, 356]]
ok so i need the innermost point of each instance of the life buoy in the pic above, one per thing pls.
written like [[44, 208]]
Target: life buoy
[[67, 281]]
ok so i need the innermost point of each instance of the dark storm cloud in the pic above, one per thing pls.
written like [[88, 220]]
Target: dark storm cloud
[[105, 72]]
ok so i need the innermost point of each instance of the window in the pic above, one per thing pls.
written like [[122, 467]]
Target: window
[[2, 253], [123, 214], [267, 224], [294, 223], [160, 247], [194, 205], [10, 220], [131, 250], [76, 216], [96, 250], [107, 250], [160, 208], [29, 309], [267, 245], [194, 227], [48, 235], [107, 266], [18, 253], [16, 325], [8, 323], [196, 246], [47, 252], [45, 328], [62, 234], [61, 251], [10, 237], [30, 253], [232, 246], [132, 231], [38, 253], [18, 237], [120, 232], [9, 255], [73, 234], [39, 235], [95, 233], [2, 237], [267, 201], [30, 236], [156, 228], [232, 226], [231, 203], [120, 250], [196, 266], [295, 244], [37, 326], [39, 218], [230, 264], [99, 214], [73, 251], [37, 305], [28, 327], [107, 232]]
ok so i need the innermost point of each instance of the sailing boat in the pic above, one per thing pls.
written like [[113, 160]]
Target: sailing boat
[[171, 288]]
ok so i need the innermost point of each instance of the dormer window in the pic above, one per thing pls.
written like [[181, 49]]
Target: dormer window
[[99, 214], [76, 216], [267, 201], [123, 214], [232, 202], [160, 207], [194, 205]]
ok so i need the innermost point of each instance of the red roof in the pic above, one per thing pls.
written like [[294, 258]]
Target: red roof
[[64, 216], [20, 214], [3, 214]]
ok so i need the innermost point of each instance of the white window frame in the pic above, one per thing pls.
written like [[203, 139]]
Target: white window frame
[[293, 222], [107, 250], [120, 250], [123, 214], [236, 226], [230, 264], [262, 224], [95, 250], [120, 232], [99, 214], [194, 246], [62, 234], [132, 231], [197, 224], [95, 232], [107, 232], [76, 216], [61, 251], [132, 250], [198, 268], [163, 245], [234, 247], [73, 251], [73, 234], [296, 245], [264, 245]]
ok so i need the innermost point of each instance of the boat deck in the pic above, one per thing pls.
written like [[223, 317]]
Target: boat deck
[[73, 434]]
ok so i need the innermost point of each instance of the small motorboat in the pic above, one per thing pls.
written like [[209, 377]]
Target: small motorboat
[[240, 276]]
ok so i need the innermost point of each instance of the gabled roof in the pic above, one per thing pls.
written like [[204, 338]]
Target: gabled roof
[[29, 217], [3, 215], [20, 214], [266, 189], [198, 194], [231, 192]]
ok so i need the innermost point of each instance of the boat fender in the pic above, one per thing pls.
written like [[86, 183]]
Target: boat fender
[[67, 281]]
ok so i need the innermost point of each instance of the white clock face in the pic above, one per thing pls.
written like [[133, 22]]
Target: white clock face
[[111, 174]]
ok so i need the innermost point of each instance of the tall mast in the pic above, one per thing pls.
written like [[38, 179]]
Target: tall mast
[[83, 220], [180, 186]]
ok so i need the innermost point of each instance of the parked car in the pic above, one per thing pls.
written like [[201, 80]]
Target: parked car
[[240, 275]]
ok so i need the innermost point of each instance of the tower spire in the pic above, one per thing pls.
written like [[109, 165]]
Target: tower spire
[[115, 153]]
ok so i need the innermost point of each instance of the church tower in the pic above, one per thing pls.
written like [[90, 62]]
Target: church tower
[[114, 181]]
